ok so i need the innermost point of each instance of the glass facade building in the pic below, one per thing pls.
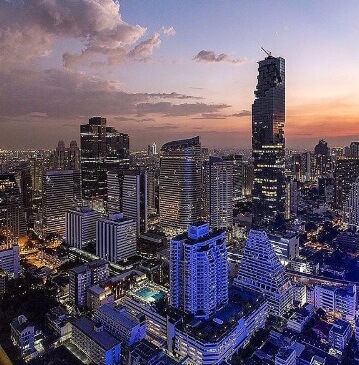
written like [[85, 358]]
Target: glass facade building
[[103, 149], [180, 184], [268, 143]]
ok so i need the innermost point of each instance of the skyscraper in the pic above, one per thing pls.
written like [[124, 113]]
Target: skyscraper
[[12, 215], [268, 118], [67, 158], [180, 183], [345, 173], [198, 270], [352, 205], [116, 238], [322, 159], [114, 192], [103, 149], [81, 227], [127, 193], [134, 198], [219, 192], [61, 192]]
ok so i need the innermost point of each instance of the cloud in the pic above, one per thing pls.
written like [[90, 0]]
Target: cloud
[[174, 95], [210, 57], [243, 113], [144, 50], [29, 29], [178, 110], [162, 126], [126, 119], [66, 93], [212, 116], [168, 31], [37, 115]]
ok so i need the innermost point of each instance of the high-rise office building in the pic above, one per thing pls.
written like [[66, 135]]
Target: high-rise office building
[[261, 270], [152, 187], [12, 215], [114, 192], [116, 238], [67, 158], [268, 118], [307, 166], [127, 193], [152, 149], [345, 173], [219, 192], [81, 227], [291, 201], [322, 159], [61, 192], [354, 149], [352, 205], [134, 198], [103, 149], [237, 161], [180, 183], [198, 270]]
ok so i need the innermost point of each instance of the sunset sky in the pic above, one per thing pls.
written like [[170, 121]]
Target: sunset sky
[[167, 69]]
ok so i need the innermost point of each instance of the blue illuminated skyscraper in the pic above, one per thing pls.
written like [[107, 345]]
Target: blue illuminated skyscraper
[[268, 118], [198, 270]]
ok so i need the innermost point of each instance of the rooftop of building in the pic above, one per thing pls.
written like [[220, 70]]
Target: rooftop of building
[[149, 294], [340, 327], [119, 314], [286, 235], [117, 218], [198, 233], [59, 172], [147, 351], [241, 303], [285, 352], [96, 289], [127, 275], [20, 323], [102, 337], [180, 144], [89, 265]]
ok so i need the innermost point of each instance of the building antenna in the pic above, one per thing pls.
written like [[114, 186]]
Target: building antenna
[[269, 54]]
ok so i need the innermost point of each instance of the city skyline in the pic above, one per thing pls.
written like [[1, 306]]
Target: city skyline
[[161, 72]]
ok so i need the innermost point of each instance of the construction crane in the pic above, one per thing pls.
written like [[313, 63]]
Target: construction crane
[[269, 54]]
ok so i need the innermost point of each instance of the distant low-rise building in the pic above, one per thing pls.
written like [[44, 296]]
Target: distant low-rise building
[[3, 278], [97, 296], [340, 300], [58, 320], [84, 276], [23, 335], [10, 260], [285, 356], [120, 323], [146, 353], [340, 334], [285, 246], [300, 317], [95, 342]]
